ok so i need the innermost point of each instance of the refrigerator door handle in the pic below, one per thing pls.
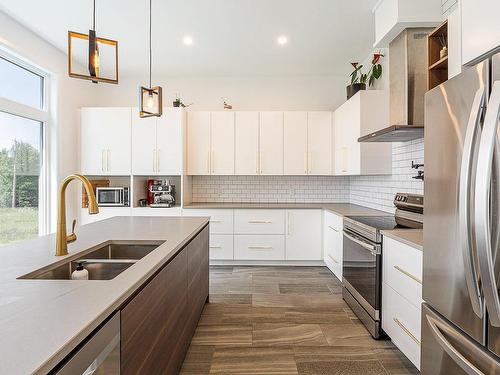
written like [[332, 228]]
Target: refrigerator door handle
[[482, 206], [467, 171], [459, 359]]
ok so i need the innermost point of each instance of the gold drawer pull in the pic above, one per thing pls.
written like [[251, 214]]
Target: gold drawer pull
[[332, 228], [332, 258], [406, 330], [404, 272], [215, 221], [259, 221], [260, 247], [216, 247]]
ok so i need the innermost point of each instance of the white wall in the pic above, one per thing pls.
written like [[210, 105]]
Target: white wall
[[67, 96], [243, 92]]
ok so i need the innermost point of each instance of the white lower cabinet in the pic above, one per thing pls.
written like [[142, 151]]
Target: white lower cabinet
[[259, 221], [333, 242], [259, 247], [221, 247], [402, 297], [401, 321], [303, 235], [221, 220]]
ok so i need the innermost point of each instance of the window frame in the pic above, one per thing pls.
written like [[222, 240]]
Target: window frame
[[42, 115]]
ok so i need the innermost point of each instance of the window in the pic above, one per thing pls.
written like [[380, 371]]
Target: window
[[23, 119]]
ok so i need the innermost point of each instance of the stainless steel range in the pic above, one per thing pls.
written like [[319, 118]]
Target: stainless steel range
[[362, 257]]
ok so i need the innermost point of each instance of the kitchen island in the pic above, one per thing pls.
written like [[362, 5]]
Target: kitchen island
[[42, 321]]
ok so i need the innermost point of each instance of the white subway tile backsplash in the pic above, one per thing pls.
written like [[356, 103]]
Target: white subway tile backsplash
[[371, 191]]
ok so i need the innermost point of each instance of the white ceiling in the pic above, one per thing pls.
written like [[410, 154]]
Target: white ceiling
[[231, 37]]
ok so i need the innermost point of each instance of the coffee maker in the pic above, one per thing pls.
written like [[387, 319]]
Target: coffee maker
[[161, 193]]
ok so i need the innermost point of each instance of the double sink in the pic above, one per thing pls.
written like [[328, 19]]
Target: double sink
[[104, 262]]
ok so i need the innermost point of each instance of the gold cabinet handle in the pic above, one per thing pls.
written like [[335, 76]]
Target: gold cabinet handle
[[332, 258], [406, 330], [259, 221], [406, 273], [216, 247], [158, 160], [215, 221], [260, 247], [332, 228]]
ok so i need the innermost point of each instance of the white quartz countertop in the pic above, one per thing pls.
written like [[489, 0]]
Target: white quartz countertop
[[41, 321], [343, 209], [411, 237]]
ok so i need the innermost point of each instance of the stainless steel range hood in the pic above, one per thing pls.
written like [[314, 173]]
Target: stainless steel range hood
[[408, 84]]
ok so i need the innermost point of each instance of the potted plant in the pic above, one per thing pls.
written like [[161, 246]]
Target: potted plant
[[178, 102], [359, 79]]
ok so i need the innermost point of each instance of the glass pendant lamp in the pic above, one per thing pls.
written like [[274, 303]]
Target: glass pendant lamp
[[150, 98]]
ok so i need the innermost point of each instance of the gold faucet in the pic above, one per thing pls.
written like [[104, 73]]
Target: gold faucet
[[62, 239]]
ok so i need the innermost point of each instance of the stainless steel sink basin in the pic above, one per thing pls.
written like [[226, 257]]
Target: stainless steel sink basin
[[103, 262]]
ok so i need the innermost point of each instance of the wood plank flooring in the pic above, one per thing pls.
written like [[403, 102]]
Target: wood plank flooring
[[284, 320]]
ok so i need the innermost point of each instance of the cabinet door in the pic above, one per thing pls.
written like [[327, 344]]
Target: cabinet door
[[143, 144], [198, 143], [222, 160], [319, 136], [92, 146], [116, 130], [153, 322], [303, 238], [271, 143], [295, 143], [347, 128], [480, 28], [246, 152], [169, 142]]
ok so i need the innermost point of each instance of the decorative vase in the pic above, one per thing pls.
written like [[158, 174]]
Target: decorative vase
[[443, 52], [354, 88]]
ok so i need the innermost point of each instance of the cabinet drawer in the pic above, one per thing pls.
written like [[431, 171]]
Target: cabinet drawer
[[333, 222], [402, 270], [259, 221], [401, 321], [221, 246], [332, 243], [221, 220], [259, 247]]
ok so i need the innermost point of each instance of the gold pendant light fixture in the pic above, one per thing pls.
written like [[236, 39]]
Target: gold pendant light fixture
[[150, 98], [102, 56]]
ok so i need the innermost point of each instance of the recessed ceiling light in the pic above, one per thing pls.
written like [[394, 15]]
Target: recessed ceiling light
[[187, 40], [282, 40]]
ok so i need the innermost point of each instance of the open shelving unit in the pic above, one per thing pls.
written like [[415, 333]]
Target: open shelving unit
[[437, 65]]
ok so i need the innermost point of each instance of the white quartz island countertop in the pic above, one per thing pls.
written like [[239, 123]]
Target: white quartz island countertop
[[41, 321]]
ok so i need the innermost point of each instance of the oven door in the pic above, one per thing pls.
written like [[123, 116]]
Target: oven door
[[361, 271], [110, 196]]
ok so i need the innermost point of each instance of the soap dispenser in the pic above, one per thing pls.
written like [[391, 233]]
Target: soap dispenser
[[80, 273]]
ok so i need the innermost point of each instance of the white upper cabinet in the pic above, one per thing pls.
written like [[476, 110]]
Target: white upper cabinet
[[169, 142], [105, 141], [480, 28], [246, 153], [143, 144], [222, 135], [295, 143], [362, 114], [271, 143], [198, 143], [319, 136]]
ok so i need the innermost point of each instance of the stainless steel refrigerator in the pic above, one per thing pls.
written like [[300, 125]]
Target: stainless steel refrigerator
[[461, 310]]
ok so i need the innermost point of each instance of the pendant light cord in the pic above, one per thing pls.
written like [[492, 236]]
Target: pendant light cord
[[93, 23], [150, 44]]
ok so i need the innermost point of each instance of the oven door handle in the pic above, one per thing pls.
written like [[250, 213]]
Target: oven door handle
[[375, 250]]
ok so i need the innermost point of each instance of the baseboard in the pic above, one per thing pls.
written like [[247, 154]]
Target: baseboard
[[290, 263]]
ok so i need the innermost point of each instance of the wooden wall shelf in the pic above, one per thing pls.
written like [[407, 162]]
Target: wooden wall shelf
[[438, 66]]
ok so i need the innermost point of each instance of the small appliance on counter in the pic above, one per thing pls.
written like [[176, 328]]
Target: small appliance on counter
[[112, 196], [362, 257], [161, 193]]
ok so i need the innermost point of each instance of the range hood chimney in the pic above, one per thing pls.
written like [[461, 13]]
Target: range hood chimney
[[408, 84]]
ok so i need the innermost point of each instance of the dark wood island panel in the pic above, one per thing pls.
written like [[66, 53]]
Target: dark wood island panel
[[158, 323]]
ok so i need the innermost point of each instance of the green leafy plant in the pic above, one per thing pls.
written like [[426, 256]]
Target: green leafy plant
[[375, 72]]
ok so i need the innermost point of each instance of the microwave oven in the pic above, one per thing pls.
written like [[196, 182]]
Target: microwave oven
[[112, 196]]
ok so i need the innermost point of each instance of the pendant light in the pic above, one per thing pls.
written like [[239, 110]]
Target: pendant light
[[95, 46], [150, 98]]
